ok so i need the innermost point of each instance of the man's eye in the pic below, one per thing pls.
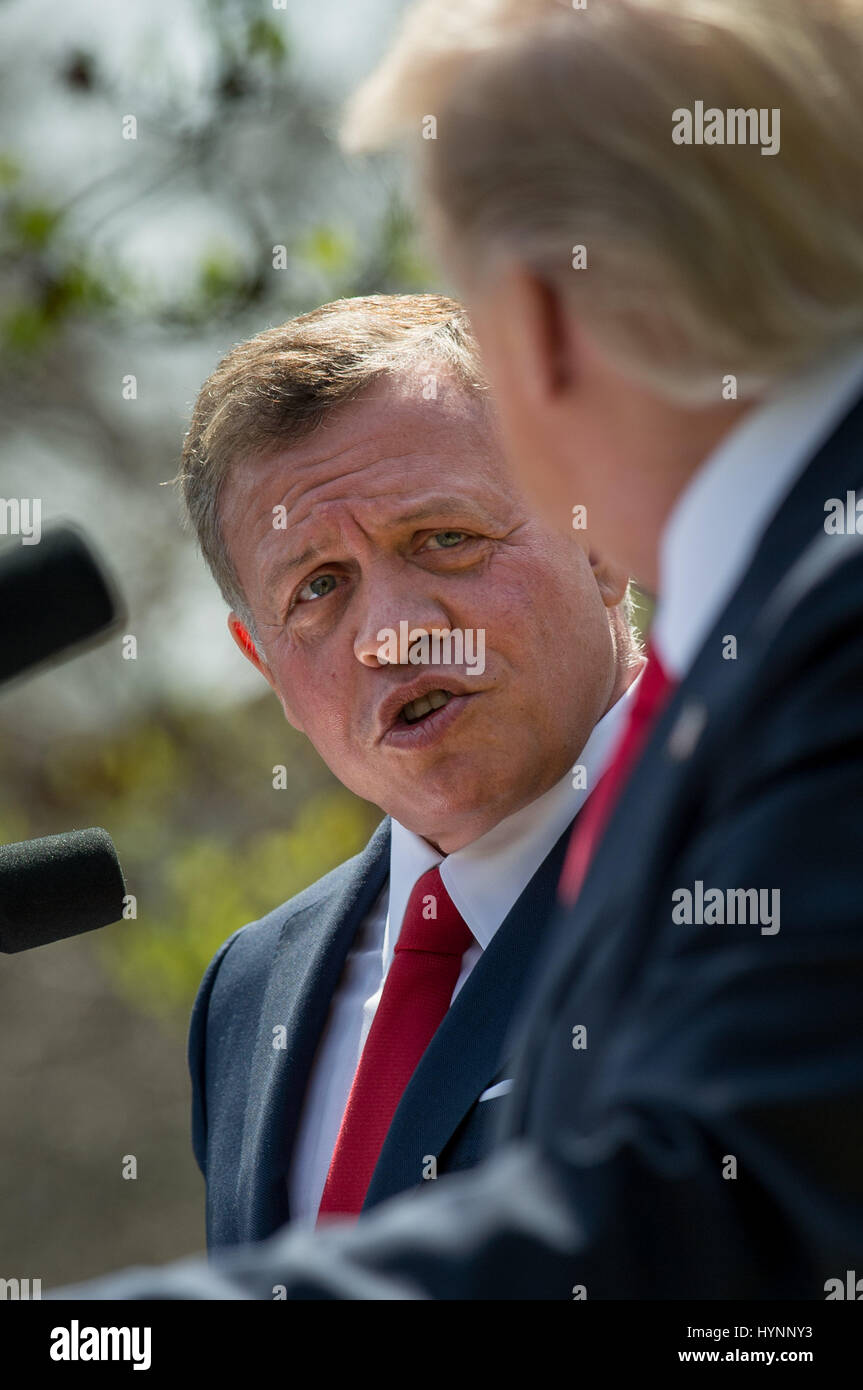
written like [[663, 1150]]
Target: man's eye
[[447, 539], [319, 587]]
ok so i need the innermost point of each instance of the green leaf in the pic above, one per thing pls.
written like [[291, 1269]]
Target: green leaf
[[25, 329], [34, 224], [266, 38], [327, 250], [219, 276]]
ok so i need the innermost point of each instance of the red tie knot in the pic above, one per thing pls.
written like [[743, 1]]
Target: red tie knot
[[432, 921]]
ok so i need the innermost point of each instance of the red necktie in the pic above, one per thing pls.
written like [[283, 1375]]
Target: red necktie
[[415, 998], [654, 688]]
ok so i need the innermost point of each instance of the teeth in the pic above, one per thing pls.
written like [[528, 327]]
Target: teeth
[[435, 699]]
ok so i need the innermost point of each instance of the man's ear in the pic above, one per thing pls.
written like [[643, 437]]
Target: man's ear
[[537, 332], [241, 636], [243, 639], [610, 581]]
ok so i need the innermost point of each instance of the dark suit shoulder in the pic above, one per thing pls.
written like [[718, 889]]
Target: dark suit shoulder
[[801, 711], [253, 944], [226, 1011]]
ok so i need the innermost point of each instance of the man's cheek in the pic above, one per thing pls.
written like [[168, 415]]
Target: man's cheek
[[292, 713]]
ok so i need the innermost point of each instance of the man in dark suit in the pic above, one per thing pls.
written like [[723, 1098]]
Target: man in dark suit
[[323, 541], [687, 1115]]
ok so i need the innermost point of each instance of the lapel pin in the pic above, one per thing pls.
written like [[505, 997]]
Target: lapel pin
[[687, 731]]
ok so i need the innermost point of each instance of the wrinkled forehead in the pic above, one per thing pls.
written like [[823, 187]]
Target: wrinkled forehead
[[374, 454]]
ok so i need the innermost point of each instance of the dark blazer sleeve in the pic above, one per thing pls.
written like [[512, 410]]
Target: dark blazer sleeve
[[197, 1053]]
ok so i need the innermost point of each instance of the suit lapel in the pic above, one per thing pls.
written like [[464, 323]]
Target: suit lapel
[[309, 959], [712, 683], [654, 805], [467, 1051]]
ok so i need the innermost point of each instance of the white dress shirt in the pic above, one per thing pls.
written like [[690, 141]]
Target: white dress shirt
[[484, 880], [715, 527]]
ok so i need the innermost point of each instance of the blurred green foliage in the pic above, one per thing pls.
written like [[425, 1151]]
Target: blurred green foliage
[[266, 38], [206, 841], [211, 885]]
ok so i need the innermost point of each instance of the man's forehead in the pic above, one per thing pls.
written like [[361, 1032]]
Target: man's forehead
[[391, 489], [396, 511], [323, 530], [377, 448], [387, 430]]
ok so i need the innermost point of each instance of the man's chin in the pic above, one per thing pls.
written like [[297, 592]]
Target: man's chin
[[448, 817]]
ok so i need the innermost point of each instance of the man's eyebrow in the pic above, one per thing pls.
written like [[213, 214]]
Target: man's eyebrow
[[434, 507], [437, 505], [286, 563]]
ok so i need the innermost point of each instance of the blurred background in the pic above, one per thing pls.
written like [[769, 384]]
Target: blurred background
[[152, 156]]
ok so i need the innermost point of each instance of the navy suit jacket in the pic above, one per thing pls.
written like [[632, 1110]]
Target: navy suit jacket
[[708, 1141], [273, 982]]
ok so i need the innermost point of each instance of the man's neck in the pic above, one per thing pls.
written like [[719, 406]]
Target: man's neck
[[690, 439]]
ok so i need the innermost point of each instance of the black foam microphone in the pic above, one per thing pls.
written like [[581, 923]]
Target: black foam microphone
[[58, 886], [53, 595]]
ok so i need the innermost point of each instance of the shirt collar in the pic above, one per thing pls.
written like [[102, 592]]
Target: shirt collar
[[486, 877], [716, 524]]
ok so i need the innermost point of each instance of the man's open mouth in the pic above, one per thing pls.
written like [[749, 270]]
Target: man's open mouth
[[415, 710]]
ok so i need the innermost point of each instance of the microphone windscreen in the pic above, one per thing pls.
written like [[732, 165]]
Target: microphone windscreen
[[58, 886], [52, 596]]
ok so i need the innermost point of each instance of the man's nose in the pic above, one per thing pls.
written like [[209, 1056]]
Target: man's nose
[[388, 617]]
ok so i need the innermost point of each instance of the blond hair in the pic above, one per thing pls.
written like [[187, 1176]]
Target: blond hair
[[540, 127]]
